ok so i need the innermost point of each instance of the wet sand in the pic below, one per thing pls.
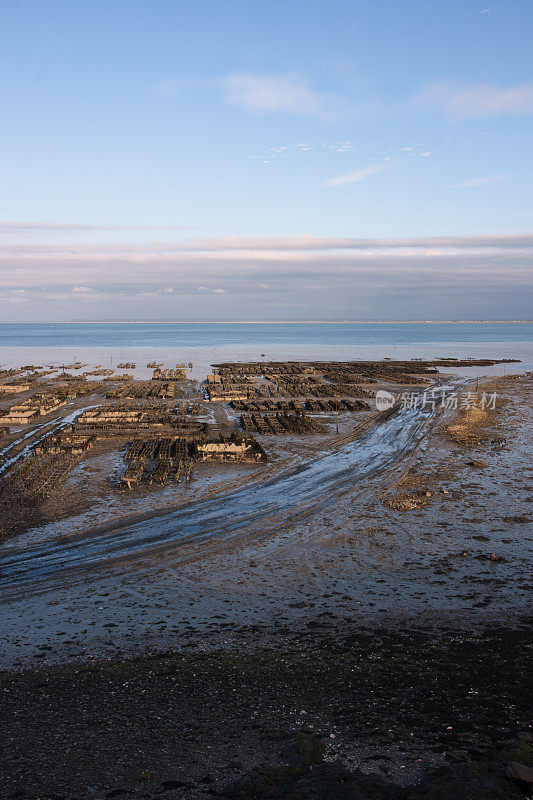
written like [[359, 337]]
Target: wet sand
[[396, 704]]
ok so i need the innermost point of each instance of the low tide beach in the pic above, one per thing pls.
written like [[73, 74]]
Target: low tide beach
[[347, 607]]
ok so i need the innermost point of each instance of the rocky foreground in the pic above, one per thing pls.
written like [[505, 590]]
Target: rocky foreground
[[338, 714]]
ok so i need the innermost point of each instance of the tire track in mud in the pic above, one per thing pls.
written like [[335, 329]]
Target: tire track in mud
[[244, 515], [256, 479]]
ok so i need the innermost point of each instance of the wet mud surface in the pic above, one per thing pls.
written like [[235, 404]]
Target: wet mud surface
[[463, 556]]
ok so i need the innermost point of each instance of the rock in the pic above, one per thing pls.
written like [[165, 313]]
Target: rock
[[304, 749], [522, 753], [519, 772]]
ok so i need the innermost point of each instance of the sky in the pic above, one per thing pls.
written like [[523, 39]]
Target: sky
[[232, 160]]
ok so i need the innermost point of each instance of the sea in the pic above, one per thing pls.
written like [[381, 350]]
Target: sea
[[204, 344]]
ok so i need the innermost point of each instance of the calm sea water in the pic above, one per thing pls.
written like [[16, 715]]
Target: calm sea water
[[203, 344], [198, 334]]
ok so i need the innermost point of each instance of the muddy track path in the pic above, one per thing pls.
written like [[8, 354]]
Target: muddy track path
[[242, 514]]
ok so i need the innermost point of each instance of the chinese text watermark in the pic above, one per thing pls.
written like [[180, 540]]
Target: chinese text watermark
[[437, 398]]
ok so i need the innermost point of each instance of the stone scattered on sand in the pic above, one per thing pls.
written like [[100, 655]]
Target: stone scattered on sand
[[321, 782], [332, 781]]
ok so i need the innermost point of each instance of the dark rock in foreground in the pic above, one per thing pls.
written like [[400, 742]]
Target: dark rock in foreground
[[334, 782]]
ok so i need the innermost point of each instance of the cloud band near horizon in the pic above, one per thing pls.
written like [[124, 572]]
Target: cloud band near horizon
[[237, 277]]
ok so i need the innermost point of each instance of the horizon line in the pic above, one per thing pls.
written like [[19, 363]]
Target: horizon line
[[270, 322]]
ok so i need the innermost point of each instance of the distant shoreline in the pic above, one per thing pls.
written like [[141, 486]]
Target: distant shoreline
[[286, 322]]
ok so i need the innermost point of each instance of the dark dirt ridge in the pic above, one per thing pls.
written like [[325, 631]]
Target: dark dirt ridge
[[395, 704]]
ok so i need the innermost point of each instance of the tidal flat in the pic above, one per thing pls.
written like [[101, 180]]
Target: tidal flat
[[350, 613]]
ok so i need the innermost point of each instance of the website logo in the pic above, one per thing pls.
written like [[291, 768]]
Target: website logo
[[384, 400]]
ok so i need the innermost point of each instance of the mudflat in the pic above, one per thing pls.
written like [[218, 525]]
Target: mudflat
[[376, 625]]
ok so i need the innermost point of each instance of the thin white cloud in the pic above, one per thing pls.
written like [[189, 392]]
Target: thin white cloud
[[366, 152], [283, 152], [265, 94], [82, 289], [339, 147], [355, 177], [477, 100], [471, 183], [22, 262], [52, 227], [156, 292], [211, 291]]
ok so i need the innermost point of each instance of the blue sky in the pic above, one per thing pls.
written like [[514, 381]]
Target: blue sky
[[170, 160]]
